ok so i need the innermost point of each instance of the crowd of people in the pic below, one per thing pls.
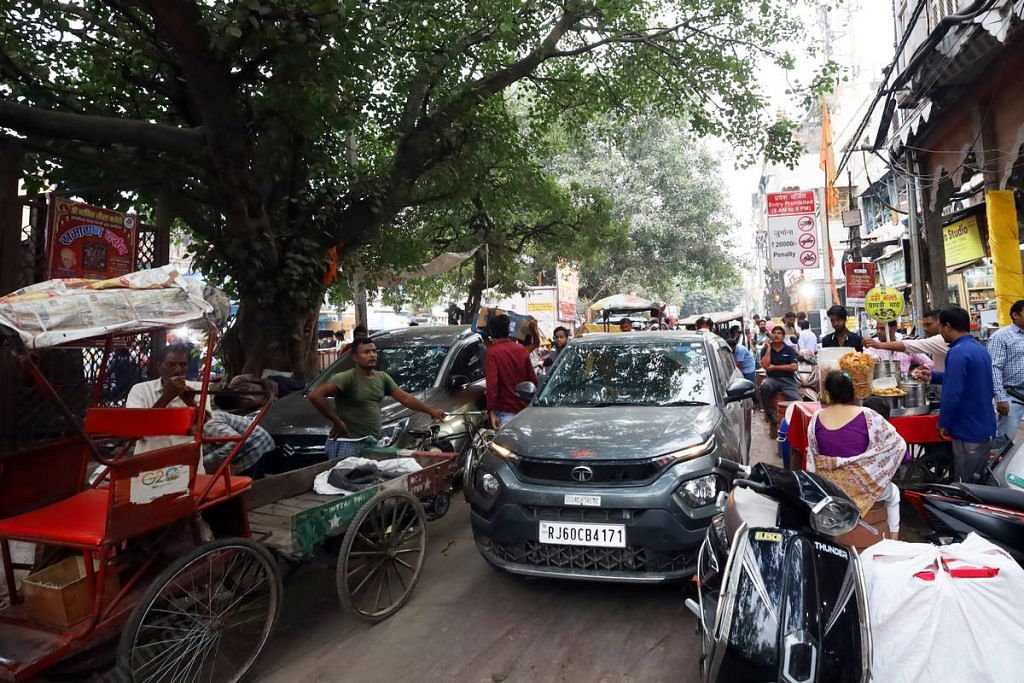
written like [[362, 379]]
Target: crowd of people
[[982, 386]]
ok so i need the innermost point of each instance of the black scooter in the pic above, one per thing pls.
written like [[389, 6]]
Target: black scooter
[[778, 598]]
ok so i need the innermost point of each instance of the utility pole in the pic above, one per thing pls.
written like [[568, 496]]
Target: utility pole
[[916, 279], [856, 249]]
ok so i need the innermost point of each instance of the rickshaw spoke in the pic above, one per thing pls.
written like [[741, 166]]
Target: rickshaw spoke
[[366, 578], [404, 563], [380, 590], [398, 573]]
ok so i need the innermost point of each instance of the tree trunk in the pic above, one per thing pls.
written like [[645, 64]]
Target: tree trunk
[[934, 247], [476, 287], [272, 337]]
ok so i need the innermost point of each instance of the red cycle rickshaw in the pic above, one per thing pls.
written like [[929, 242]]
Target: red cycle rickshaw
[[147, 551]]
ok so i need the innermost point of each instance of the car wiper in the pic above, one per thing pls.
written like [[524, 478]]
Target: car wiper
[[683, 403], [606, 404]]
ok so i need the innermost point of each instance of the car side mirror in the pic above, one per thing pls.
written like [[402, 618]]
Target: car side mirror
[[739, 389], [526, 391], [458, 382]]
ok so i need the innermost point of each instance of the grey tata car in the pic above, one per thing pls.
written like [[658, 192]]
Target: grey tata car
[[610, 473], [442, 366]]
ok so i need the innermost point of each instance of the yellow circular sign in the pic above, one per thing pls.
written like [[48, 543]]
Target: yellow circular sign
[[883, 304]]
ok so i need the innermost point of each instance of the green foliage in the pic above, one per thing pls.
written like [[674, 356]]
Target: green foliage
[[305, 124], [666, 186]]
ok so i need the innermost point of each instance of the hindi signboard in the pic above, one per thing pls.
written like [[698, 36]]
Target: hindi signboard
[[568, 276], [89, 242], [861, 278], [793, 237], [883, 304]]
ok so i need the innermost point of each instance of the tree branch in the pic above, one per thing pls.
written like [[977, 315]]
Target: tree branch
[[102, 130]]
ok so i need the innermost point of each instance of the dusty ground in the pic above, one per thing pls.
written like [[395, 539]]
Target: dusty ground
[[468, 622]]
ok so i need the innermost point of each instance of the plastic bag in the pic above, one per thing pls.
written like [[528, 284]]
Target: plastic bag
[[944, 613]]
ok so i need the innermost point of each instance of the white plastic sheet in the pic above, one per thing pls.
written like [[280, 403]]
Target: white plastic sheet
[[945, 613], [60, 311]]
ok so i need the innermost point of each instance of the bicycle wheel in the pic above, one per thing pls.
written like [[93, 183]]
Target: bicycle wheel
[[206, 617], [381, 557]]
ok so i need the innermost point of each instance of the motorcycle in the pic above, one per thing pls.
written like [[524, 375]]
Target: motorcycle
[[807, 374], [777, 598]]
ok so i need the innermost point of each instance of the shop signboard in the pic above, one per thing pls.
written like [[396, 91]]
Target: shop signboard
[[962, 241], [860, 279], [883, 304], [793, 236], [90, 242], [567, 274]]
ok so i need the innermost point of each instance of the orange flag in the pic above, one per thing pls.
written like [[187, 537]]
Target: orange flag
[[827, 162]]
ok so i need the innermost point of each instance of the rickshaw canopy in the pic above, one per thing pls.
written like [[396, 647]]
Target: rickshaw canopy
[[623, 302], [57, 312]]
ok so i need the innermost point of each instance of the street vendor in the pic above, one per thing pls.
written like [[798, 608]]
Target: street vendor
[[170, 390], [906, 360], [358, 393], [841, 336], [933, 345]]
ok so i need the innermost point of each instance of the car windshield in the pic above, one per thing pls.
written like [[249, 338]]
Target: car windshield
[[625, 374], [414, 368]]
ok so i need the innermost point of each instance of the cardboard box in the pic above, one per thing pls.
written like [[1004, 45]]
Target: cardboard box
[[59, 594]]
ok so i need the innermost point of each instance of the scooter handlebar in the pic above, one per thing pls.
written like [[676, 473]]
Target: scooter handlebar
[[732, 467], [752, 485]]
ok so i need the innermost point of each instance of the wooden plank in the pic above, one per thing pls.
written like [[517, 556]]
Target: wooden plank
[[280, 486]]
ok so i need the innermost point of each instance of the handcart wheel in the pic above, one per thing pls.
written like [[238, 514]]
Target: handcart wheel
[[206, 617], [381, 557]]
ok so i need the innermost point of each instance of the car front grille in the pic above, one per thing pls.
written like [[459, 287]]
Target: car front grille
[[582, 514], [606, 473], [632, 559]]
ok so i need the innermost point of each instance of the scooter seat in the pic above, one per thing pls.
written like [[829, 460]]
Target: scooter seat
[[994, 495]]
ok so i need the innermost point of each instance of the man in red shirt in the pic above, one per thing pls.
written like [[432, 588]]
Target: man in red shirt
[[506, 364]]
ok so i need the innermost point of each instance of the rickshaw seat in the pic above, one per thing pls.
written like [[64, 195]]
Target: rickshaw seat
[[78, 520], [140, 422], [220, 488]]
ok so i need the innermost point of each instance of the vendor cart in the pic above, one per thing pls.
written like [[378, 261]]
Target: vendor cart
[[921, 432], [145, 552]]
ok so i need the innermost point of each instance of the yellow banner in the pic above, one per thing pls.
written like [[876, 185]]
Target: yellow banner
[[883, 304], [540, 307], [962, 241]]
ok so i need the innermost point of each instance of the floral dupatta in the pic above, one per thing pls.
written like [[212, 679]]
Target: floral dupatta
[[866, 476]]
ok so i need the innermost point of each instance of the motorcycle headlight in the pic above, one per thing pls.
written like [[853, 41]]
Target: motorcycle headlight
[[700, 491], [390, 432], [834, 516]]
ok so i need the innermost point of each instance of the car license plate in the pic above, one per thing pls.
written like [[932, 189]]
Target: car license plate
[[585, 501], [592, 535]]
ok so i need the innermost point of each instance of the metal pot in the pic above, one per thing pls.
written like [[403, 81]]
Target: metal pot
[[916, 393], [882, 369]]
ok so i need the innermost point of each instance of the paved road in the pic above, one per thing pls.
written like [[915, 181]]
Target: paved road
[[468, 622]]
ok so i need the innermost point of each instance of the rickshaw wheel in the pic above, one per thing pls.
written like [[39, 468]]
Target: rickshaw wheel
[[381, 557], [207, 616]]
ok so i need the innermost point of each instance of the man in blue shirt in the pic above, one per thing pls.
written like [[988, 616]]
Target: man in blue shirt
[[1007, 350], [744, 359], [967, 415], [780, 364]]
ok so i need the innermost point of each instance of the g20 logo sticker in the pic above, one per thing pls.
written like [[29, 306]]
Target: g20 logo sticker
[[152, 484]]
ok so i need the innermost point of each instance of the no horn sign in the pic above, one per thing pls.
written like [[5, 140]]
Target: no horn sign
[[793, 230]]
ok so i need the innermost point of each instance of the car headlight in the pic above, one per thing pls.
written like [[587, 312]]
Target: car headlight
[[700, 491], [390, 432], [503, 453], [834, 516], [688, 453]]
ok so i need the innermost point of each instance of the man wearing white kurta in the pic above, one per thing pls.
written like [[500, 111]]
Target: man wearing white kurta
[[170, 390]]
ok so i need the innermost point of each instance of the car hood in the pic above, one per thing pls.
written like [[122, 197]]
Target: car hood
[[611, 433], [294, 415]]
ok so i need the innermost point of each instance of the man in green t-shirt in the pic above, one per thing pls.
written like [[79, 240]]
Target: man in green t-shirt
[[358, 394]]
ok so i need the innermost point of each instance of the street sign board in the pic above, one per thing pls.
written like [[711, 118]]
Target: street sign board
[[89, 241], [793, 238], [883, 304], [861, 277], [567, 273], [851, 218]]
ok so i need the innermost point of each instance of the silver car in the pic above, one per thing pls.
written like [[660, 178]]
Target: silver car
[[610, 473]]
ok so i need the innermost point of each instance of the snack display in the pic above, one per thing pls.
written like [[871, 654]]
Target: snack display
[[890, 392], [860, 367]]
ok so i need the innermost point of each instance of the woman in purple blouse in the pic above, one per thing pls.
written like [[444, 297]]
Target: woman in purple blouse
[[857, 449]]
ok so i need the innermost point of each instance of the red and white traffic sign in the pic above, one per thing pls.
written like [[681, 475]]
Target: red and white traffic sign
[[792, 230]]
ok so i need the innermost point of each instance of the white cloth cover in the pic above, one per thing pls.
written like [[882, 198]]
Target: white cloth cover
[[934, 619], [393, 467]]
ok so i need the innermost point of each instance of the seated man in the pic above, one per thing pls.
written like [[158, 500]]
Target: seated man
[[170, 390], [779, 362], [248, 462]]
